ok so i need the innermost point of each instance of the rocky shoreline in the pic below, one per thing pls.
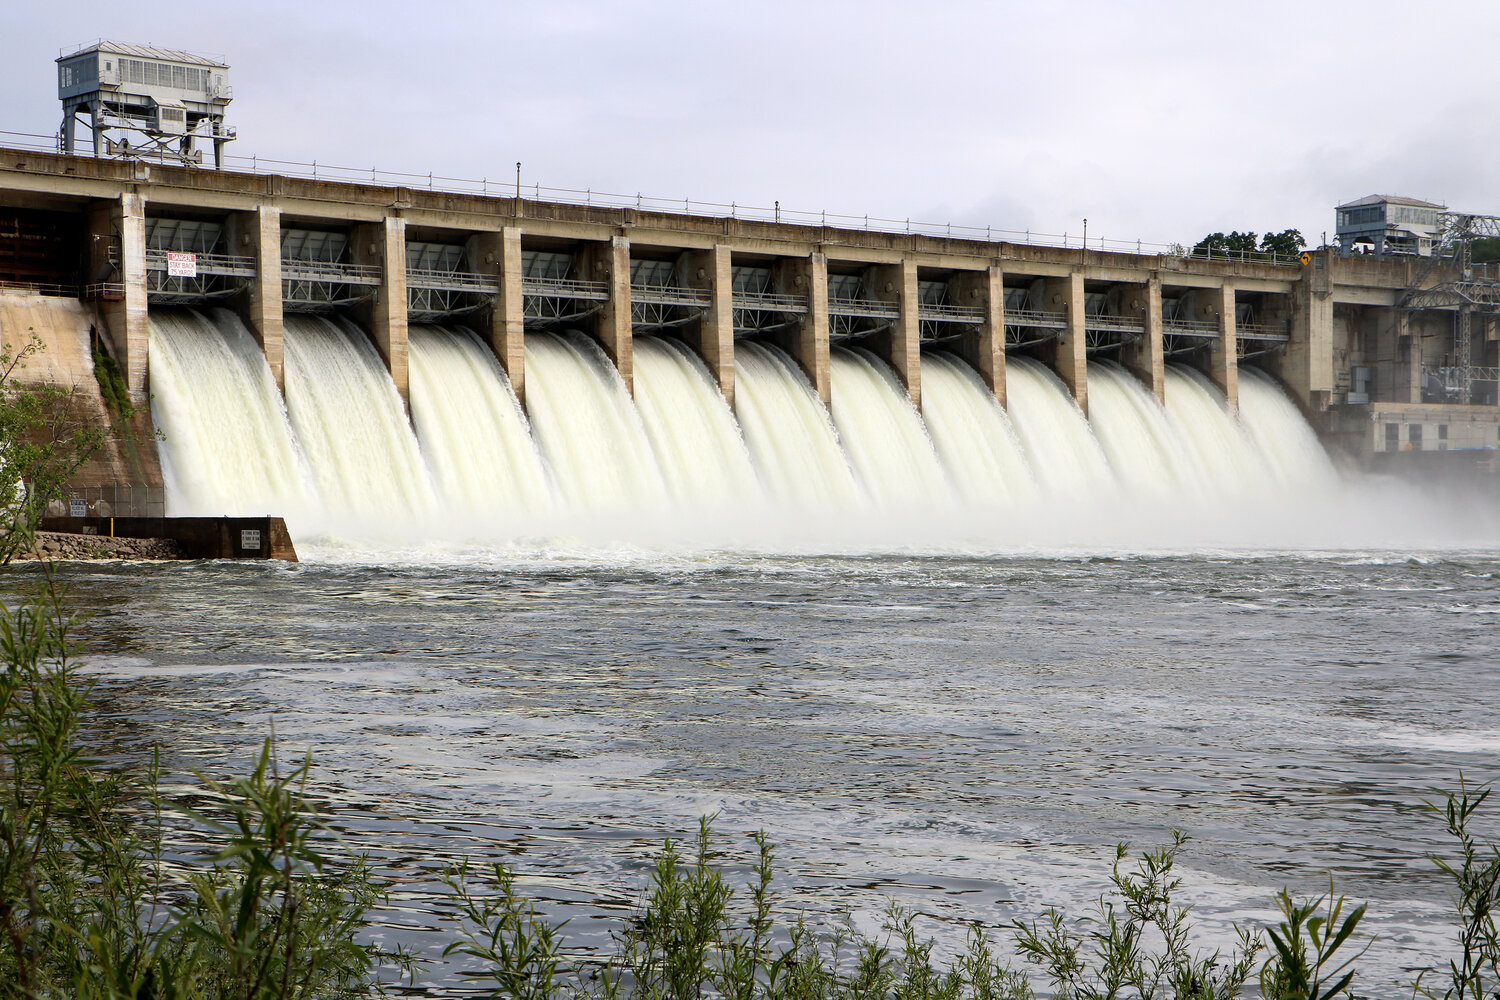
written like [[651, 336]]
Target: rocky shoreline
[[70, 546]]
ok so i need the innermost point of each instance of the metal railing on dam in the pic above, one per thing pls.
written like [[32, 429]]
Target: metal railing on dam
[[500, 187], [506, 267]]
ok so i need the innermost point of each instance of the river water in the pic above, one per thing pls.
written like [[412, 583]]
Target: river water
[[967, 735]]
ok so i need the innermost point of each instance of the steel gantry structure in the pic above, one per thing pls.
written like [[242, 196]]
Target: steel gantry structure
[[1448, 280]]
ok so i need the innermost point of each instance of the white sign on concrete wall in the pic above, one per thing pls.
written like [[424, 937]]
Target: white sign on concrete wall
[[182, 265], [250, 539]]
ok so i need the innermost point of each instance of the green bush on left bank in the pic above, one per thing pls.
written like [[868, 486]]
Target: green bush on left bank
[[88, 908]]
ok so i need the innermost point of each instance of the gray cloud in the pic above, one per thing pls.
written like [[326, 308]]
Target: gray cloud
[[1159, 120]]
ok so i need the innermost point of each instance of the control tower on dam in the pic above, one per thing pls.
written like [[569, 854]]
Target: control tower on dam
[[1342, 334]]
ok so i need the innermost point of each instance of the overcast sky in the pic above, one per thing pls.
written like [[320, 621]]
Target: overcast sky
[[1161, 121]]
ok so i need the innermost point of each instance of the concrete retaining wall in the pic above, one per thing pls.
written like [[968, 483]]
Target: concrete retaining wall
[[196, 537]]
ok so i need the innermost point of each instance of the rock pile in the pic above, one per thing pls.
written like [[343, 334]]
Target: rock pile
[[66, 545]]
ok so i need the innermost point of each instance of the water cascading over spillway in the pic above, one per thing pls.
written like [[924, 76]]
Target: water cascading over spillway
[[587, 426], [472, 430], [693, 434], [340, 457], [226, 447], [1059, 445], [1290, 448], [787, 429], [973, 433], [352, 427], [883, 433], [1220, 443], [1144, 447]]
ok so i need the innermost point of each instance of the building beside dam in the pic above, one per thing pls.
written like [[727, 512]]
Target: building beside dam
[[102, 243]]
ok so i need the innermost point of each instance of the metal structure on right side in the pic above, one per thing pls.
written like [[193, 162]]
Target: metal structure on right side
[[1448, 280]]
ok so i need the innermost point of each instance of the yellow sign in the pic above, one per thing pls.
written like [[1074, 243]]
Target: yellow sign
[[1306, 259]]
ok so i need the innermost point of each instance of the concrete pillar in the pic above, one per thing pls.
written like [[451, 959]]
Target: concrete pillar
[[1410, 343], [901, 344], [121, 223], [259, 236], [384, 244], [1383, 332], [984, 348], [505, 326], [1225, 353], [1070, 349], [1490, 350], [1305, 367], [713, 335], [807, 341], [610, 263], [1143, 356]]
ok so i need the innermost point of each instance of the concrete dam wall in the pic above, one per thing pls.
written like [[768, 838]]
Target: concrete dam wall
[[375, 359], [340, 454]]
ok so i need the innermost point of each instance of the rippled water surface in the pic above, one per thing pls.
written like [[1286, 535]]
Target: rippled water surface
[[969, 736]]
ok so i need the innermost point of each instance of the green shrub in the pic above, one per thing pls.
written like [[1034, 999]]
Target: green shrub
[[87, 908], [42, 446], [1475, 974], [1136, 944]]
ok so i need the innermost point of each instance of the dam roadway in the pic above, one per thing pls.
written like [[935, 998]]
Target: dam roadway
[[270, 246]]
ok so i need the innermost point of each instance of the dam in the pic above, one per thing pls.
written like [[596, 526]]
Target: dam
[[356, 356]]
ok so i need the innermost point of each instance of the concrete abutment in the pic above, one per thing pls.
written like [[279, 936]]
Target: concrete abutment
[[1224, 354], [899, 345], [117, 255], [257, 234], [503, 323]]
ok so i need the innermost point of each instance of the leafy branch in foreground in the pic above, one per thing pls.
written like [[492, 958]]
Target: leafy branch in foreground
[[88, 909], [522, 953], [1136, 944], [272, 917], [688, 940], [1475, 974], [1306, 964], [70, 879]]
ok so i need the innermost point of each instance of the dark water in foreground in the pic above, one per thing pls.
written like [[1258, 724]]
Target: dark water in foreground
[[968, 736]]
